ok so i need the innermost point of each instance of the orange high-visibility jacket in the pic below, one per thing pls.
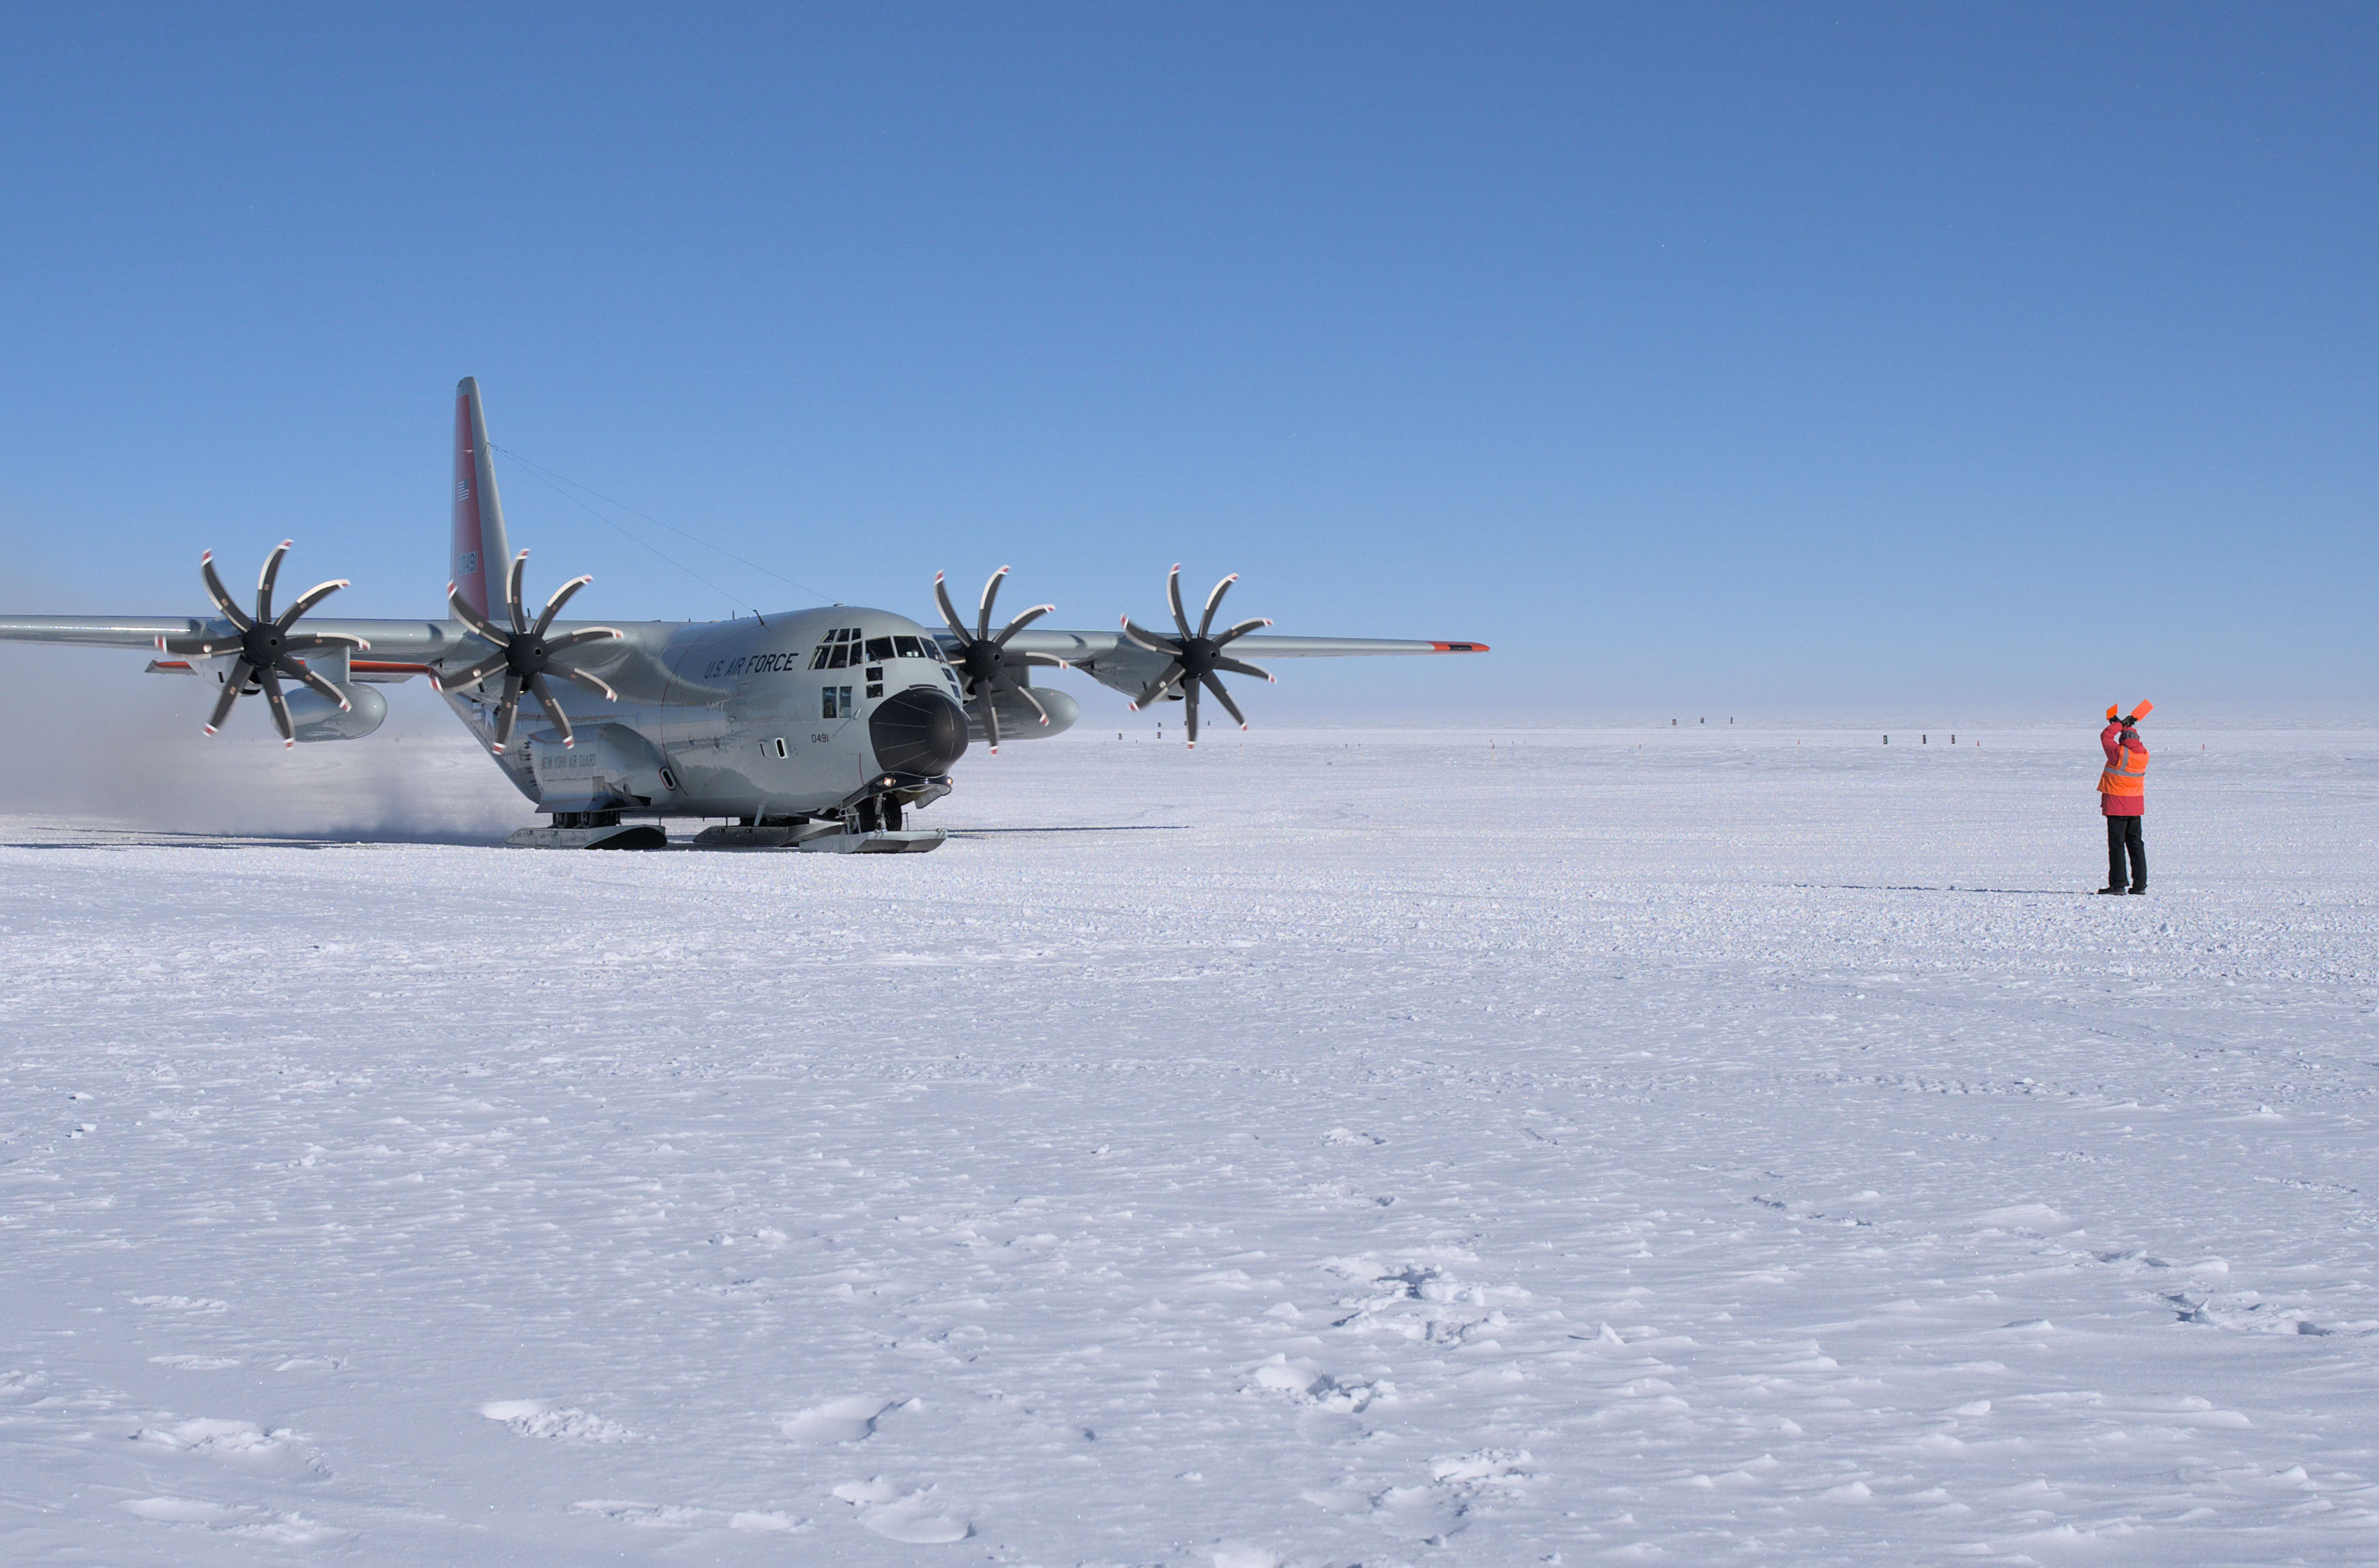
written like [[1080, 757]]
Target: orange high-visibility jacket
[[2123, 787]]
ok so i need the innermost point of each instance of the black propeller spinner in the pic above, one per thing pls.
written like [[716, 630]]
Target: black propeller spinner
[[527, 656], [983, 662], [1194, 656], [266, 648]]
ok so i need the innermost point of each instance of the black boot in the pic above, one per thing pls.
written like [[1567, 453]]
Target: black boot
[[2118, 887]]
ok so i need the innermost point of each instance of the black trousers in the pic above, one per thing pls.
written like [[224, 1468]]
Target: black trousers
[[2123, 835]]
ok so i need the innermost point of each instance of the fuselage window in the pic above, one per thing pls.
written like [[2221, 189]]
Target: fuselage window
[[875, 680], [837, 703]]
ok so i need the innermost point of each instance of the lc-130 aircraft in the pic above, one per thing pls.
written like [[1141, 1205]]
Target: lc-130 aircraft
[[816, 729]]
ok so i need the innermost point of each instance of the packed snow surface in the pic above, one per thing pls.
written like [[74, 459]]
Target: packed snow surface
[[1321, 1148]]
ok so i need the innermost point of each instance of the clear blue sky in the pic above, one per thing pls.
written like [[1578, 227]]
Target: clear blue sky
[[1807, 358]]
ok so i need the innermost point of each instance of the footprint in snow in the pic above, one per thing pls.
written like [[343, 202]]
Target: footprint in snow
[[1319, 1391], [539, 1418], [249, 1523], [217, 1439], [850, 1419], [910, 1518]]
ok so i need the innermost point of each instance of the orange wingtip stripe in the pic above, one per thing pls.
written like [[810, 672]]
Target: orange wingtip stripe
[[1460, 647]]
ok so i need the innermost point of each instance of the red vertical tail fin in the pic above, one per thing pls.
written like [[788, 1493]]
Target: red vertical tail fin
[[481, 554]]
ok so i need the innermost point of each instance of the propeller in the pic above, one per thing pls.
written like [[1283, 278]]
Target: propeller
[[527, 656], [264, 648], [983, 662], [1194, 656]]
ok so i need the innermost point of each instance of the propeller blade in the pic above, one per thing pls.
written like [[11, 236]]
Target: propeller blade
[[507, 709], [232, 685], [307, 600], [1214, 602], [1046, 661], [513, 593], [1190, 701], [1241, 630], [1021, 690], [473, 619], [1241, 667], [1150, 640], [950, 610], [1022, 621], [584, 635], [264, 581], [553, 605], [991, 725], [990, 592], [594, 683], [321, 687], [474, 674], [545, 700], [280, 706], [1173, 598], [217, 592], [1224, 697], [1158, 687]]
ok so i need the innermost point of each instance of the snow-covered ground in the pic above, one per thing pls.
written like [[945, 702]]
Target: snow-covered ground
[[1751, 1148]]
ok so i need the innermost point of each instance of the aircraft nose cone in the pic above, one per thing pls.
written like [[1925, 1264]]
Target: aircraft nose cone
[[917, 731]]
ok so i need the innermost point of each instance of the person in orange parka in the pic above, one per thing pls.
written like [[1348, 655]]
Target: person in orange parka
[[2122, 796]]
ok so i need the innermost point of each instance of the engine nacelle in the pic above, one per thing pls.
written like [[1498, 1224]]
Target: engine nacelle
[[313, 716], [1019, 722]]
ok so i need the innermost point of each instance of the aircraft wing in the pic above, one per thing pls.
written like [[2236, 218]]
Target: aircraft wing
[[1113, 660], [399, 649]]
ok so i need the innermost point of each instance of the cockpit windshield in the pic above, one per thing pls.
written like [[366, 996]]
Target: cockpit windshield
[[847, 645]]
